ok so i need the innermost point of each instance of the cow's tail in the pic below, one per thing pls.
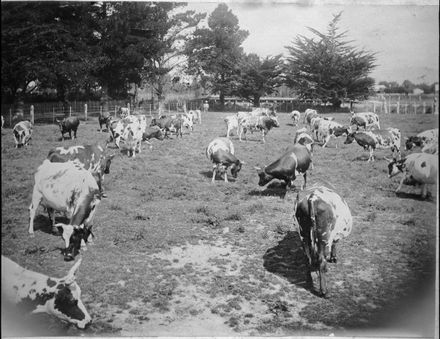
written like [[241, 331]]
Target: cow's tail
[[313, 232]]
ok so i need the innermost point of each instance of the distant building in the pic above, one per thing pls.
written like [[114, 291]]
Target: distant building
[[379, 88]]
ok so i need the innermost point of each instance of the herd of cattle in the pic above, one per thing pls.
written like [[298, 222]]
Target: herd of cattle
[[70, 181]]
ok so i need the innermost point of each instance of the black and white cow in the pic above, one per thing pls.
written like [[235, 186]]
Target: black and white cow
[[69, 188], [295, 116], [323, 218], [379, 138], [419, 169], [367, 120], [296, 160], [33, 292], [90, 157], [309, 114], [22, 133], [328, 129], [68, 125], [104, 120], [168, 124], [254, 123], [222, 154]]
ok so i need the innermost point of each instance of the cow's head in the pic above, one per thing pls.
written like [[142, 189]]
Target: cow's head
[[350, 138], [73, 237], [236, 167], [106, 162], [66, 303], [20, 136], [395, 167], [413, 141], [264, 177], [339, 131]]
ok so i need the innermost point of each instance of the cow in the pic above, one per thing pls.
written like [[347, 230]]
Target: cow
[[123, 112], [196, 115], [379, 138], [22, 132], [221, 152], [205, 106], [295, 116], [303, 138], [231, 124], [168, 124], [296, 160], [427, 141], [67, 125], [33, 292], [187, 120], [328, 129], [419, 169], [104, 121], [152, 132], [314, 125], [367, 120], [66, 187], [90, 157], [253, 123], [323, 218], [309, 114]]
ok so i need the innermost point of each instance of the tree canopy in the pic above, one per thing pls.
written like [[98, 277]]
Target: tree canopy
[[214, 53], [327, 67]]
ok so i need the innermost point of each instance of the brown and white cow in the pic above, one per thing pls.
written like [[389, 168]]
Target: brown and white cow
[[367, 120], [323, 218], [168, 124], [90, 157], [22, 133], [302, 137], [295, 116], [426, 140], [379, 138], [69, 188], [309, 114], [33, 292], [296, 160], [254, 123], [419, 169], [222, 154], [231, 124], [68, 125], [328, 129]]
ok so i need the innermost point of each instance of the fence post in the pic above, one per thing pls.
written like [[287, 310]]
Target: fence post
[[415, 108], [398, 107], [70, 111], [32, 115], [424, 107], [85, 112], [374, 106], [128, 107], [10, 118]]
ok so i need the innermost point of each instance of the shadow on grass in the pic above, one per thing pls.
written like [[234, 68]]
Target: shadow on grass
[[43, 224], [274, 189], [415, 196], [208, 174], [287, 260]]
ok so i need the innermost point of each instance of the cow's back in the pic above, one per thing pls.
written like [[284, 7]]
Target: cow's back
[[423, 167], [220, 143]]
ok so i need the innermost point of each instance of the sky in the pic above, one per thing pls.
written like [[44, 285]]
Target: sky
[[404, 36]]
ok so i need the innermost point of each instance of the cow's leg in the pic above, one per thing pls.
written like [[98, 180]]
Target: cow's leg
[[326, 140], [51, 214], [322, 277], [213, 173], [333, 253], [36, 199], [74, 134], [400, 184], [371, 157], [305, 181], [226, 176], [424, 191], [262, 133]]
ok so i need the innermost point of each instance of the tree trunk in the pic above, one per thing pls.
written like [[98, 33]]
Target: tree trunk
[[104, 101], [222, 101], [256, 101]]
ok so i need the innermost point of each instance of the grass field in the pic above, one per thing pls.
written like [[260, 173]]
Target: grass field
[[175, 255]]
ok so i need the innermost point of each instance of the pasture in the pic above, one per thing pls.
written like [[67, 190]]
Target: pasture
[[177, 255]]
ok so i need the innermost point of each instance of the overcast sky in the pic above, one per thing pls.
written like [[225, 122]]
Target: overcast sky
[[405, 37]]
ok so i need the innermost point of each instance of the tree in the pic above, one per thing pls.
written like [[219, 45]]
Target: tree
[[45, 44], [214, 53], [173, 33], [329, 68], [259, 77]]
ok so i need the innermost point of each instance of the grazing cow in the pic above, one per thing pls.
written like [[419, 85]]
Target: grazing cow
[[367, 120], [187, 120], [323, 218], [418, 168], [22, 133], [152, 132], [168, 124], [104, 121], [309, 114], [295, 116], [221, 152], [67, 125], [34, 292], [314, 125], [328, 129], [427, 141], [303, 138], [66, 187], [253, 123], [90, 157], [379, 138], [296, 160], [196, 115], [231, 124]]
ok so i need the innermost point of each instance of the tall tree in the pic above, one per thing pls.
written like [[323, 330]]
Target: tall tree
[[259, 77], [214, 52], [328, 67], [173, 30]]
